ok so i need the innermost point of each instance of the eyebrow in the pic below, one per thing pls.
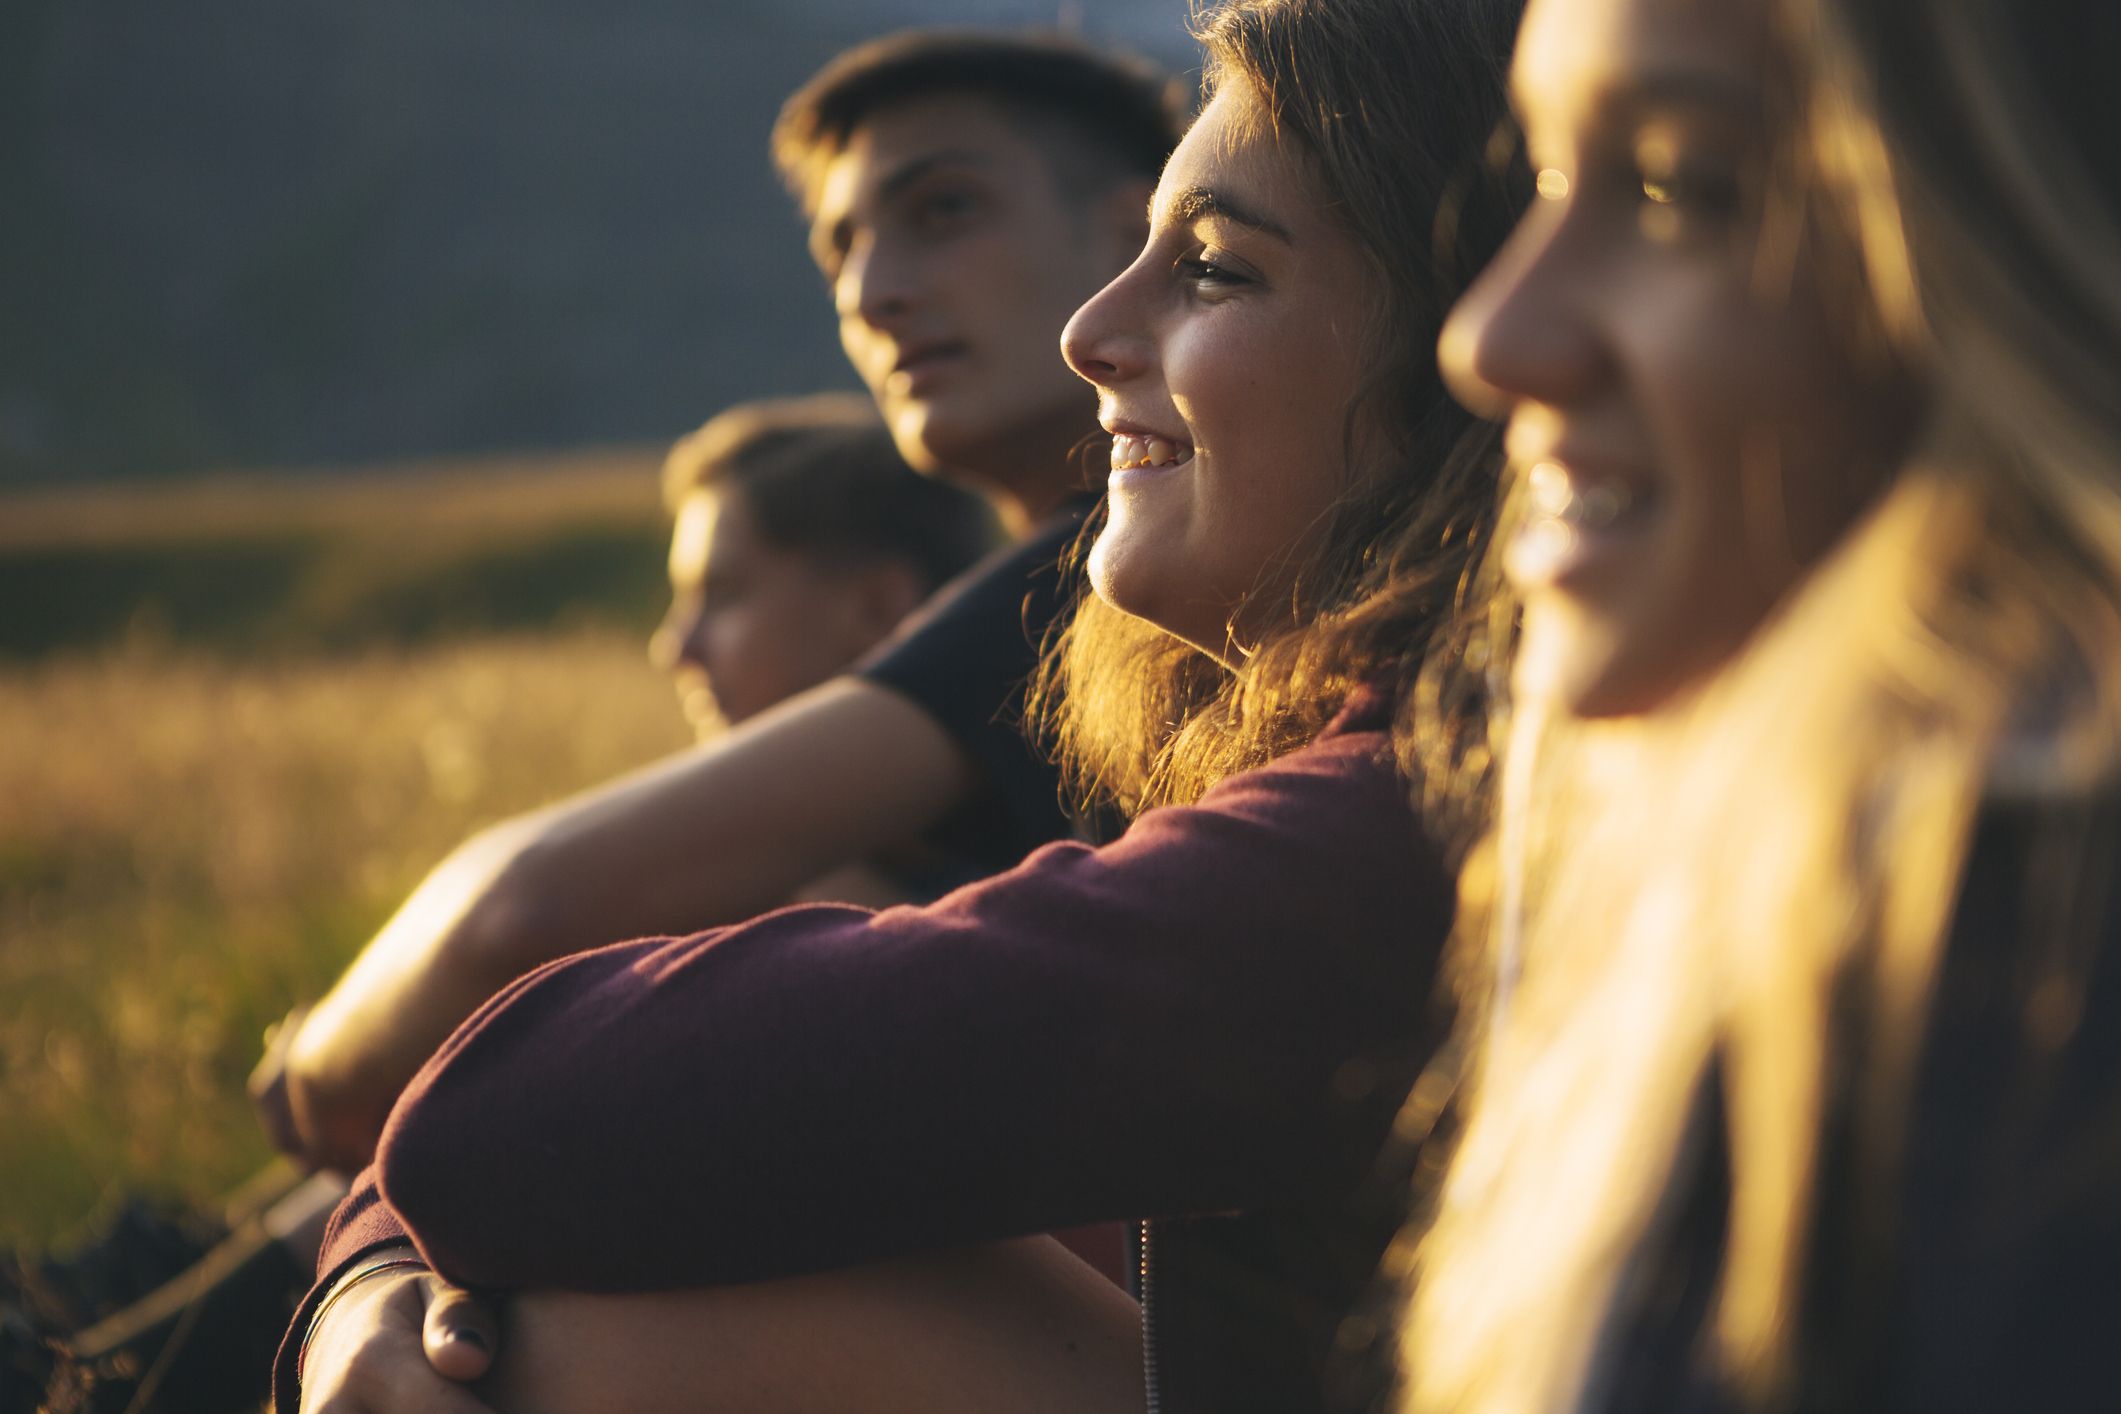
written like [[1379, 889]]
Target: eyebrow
[[1205, 203], [1626, 93], [905, 175], [912, 170], [1674, 87]]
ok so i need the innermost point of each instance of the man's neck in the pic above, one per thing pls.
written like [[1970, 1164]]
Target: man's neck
[[1023, 510], [1024, 494]]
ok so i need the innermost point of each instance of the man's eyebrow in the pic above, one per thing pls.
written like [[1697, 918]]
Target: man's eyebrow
[[832, 240], [1203, 203], [911, 171]]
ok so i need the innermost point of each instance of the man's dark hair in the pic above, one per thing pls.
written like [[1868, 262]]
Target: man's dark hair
[[820, 475], [1119, 108]]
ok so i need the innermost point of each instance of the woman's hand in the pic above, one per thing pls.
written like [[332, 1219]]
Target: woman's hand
[[399, 1343]]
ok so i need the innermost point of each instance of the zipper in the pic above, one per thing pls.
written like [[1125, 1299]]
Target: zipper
[[1145, 1287]]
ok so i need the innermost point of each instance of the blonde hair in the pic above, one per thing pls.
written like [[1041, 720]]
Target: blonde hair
[[1751, 888]]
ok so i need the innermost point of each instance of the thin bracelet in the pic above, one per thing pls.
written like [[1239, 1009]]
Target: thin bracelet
[[339, 1288]]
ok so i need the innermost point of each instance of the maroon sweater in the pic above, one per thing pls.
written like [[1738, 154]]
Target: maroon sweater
[[1216, 1014]]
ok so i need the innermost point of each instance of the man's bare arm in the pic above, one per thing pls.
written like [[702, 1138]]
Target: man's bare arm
[[713, 835]]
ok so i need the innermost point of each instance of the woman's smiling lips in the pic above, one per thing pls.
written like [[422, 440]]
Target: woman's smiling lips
[[1579, 523], [1138, 453]]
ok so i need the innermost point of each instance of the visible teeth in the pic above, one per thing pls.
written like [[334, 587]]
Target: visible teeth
[[1130, 451], [1550, 489], [1599, 507], [1556, 497]]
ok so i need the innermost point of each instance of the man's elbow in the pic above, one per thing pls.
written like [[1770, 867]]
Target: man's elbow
[[519, 917]]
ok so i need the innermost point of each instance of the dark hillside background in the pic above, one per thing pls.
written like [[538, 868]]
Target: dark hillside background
[[285, 233]]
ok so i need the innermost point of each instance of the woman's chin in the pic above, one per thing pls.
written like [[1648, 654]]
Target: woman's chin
[[1112, 573], [1139, 581]]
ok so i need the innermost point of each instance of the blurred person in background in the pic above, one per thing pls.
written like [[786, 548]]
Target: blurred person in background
[[965, 192], [1796, 979], [800, 540]]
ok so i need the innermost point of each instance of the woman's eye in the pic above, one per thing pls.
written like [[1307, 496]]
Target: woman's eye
[[1704, 193], [1205, 272], [1678, 206]]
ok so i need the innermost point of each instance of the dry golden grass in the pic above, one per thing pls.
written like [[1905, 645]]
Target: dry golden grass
[[187, 846]]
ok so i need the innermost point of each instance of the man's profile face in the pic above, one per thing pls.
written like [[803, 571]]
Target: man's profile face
[[751, 622], [955, 257]]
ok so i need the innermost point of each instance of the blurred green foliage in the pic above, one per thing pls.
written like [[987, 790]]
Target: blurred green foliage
[[306, 591], [238, 722], [257, 569]]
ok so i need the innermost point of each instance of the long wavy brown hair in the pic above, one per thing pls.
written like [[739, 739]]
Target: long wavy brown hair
[[1395, 104]]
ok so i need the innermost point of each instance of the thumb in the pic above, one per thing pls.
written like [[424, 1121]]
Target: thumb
[[268, 1085], [461, 1333]]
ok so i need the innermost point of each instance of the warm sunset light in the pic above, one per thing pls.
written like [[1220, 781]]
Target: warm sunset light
[[1060, 707]]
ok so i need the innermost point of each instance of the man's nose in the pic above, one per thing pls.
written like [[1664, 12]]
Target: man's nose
[[878, 282]]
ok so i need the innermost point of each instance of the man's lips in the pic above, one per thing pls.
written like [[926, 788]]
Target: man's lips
[[918, 364]]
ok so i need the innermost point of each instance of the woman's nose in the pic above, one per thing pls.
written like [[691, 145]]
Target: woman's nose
[[1107, 342], [1526, 330]]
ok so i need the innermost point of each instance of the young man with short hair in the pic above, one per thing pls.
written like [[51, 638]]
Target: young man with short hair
[[965, 194], [799, 540]]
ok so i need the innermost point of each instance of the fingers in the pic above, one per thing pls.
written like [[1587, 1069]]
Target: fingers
[[401, 1395], [318, 1130], [268, 1086], [333, 1129], [346, 1146], [461, 1333], [370, 1359]]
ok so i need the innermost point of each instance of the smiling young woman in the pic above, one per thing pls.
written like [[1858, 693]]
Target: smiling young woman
[[1295, 499], [1794, 983], [1222, 359]]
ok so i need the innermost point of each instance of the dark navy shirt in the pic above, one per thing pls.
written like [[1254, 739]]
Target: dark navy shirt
[[963, 658]]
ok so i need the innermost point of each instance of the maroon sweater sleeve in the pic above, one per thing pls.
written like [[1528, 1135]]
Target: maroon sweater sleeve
[[1151, 1028]]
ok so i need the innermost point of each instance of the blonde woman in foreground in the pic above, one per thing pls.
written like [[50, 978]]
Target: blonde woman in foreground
[[1797, 1038]]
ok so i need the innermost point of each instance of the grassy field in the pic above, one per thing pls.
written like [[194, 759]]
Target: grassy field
[[214, 788]]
